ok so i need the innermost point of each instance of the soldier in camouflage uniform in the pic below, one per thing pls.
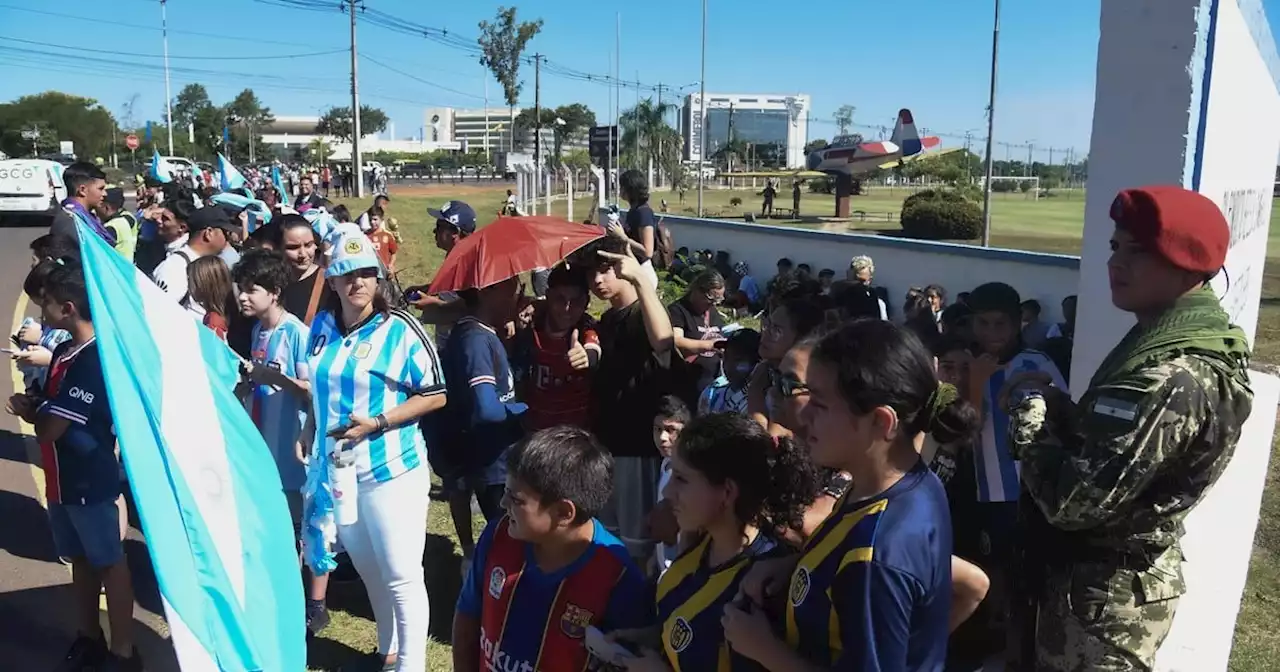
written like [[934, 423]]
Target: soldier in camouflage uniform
[[1112, 477]]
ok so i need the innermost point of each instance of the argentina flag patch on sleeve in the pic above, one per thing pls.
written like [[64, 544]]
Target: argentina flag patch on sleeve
[[1115, 408]]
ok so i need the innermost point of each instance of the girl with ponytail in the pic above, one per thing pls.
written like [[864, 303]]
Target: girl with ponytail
[[880, 565], [732, 486]]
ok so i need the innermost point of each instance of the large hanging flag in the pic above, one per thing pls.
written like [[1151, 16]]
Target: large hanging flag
[[229, 176], [206, 486], [160, 169]]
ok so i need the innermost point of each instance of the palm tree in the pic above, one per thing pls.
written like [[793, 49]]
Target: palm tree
[[646, 136]]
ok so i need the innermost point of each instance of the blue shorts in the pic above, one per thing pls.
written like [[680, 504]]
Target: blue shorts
[[87, 531]]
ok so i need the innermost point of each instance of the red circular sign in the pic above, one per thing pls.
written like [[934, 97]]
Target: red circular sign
[[131, 141]]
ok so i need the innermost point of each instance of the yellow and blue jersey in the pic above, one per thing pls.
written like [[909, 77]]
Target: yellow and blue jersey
[[691, 600], [535, 621], [872, 588]]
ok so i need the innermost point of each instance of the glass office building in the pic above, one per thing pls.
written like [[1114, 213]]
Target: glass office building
[[774, 126]]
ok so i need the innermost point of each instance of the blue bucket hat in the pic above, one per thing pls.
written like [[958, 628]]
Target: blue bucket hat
[[350, 252]]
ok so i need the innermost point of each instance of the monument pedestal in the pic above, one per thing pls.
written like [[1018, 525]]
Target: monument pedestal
[[844, 189], [1187, 95]]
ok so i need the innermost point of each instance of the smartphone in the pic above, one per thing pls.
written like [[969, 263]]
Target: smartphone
[[337, 432], [9, 351], [15, 340], [413, 295]]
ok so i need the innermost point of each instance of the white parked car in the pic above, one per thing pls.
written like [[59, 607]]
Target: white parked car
[[31, 187]]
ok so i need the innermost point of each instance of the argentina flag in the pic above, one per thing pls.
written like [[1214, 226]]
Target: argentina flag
[[229, 176], [207, 489], [278, 180], [161, 171]]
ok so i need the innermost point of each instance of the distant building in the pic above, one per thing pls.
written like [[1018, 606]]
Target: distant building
[[776, 125], [286, 135], [488, 129]]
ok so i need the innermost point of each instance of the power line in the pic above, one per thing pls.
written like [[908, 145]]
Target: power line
[[419, 79], [139, 26], [6, 38]]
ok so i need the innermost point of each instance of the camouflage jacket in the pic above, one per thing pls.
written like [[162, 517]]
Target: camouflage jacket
[[1121, 468]]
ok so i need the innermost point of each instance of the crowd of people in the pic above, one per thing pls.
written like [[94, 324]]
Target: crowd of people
[[849, 486]]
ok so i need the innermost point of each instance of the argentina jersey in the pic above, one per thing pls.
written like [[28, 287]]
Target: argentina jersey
[[996, 470], [278, 414], [372, 368], [691, 601]]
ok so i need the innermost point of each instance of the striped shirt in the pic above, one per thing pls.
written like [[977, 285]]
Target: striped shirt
[[279, 414], [996, 470], [368, 370]]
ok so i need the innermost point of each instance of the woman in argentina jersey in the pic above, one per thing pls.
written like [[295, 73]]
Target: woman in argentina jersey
[[871, 589], [731, 487], [374, 374]]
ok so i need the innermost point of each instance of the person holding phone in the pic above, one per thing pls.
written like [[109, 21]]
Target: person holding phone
[[374, 375]]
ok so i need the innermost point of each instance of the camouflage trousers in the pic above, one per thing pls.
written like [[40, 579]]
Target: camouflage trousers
[[1102, 618]]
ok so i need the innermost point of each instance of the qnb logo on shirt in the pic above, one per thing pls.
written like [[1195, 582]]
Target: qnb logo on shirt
[[77, 393], [497, 660]]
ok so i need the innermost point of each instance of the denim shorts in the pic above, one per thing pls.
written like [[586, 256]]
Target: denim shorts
[[87, 531]]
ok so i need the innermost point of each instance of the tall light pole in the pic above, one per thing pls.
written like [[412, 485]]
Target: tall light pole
[[702, 108], [168, 95], [356, 170], [991, 129]]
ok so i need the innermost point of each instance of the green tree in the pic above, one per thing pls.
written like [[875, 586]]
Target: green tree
[[189, 103], [336, 122], [577, 160], [250, 116], [501, 44], [844, 118], [814, 145], [58, 116], [319, 151], [646, 136]]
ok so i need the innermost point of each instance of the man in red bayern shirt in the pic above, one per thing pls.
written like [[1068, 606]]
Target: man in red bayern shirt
[[556, 357]]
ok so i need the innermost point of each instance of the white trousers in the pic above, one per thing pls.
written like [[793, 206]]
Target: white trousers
[[386, 545]]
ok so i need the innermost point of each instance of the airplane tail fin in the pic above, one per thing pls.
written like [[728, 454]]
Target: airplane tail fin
[[905, 134]]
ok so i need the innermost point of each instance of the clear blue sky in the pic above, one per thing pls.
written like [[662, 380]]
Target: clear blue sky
[[929, 55]]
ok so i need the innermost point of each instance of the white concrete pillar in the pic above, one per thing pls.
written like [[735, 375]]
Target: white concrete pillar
[[570, 176], [1187, 95], [548, 175]]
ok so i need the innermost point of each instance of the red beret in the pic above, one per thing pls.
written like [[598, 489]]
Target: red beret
[[1181, 225]]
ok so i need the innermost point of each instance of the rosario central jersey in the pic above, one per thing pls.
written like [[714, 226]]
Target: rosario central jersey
[[872, 589], [368, 370], [535, 622], [994, 465], [691, 601]]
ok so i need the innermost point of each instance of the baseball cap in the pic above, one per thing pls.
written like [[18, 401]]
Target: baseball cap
[[211, 218], [458, 214], [115, 197], [351, 251], [1183, 226]]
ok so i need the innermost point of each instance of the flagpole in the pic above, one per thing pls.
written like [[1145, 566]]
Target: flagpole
[[168, 95]]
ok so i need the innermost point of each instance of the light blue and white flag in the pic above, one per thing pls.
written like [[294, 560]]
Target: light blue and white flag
[[207, 489], [161, 171], [229, 176], [278, 180]]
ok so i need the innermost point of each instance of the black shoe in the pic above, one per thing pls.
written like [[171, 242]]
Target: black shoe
[[84, 653], [317, 618], [114, 663], [369, 662]]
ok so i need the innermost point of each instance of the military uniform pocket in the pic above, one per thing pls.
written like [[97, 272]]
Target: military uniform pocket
[[1158, 584], [1091, 590]]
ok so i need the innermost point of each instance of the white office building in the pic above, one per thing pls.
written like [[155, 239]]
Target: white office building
[[488, 129], [775, 125]]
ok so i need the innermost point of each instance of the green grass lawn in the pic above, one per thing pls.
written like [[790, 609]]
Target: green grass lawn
[[1049, 225]]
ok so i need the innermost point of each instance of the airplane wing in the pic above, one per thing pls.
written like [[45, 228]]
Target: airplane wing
[[916, 157]]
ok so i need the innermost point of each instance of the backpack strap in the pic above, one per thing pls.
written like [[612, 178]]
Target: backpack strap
[[313, 304]]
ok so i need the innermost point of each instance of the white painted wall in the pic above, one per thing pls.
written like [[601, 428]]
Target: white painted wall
[[900, 263], [1187, 95]]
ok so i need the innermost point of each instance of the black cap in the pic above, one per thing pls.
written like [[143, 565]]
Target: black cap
[[115, 197], [211, 217], [995, 297]]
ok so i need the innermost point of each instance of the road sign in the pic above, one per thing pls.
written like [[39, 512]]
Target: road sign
[[131, 141], [602, 139]]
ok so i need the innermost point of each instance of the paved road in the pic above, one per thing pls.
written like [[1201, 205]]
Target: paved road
[[36, 621]]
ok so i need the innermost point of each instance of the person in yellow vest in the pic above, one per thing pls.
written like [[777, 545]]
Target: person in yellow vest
[[118, 219]]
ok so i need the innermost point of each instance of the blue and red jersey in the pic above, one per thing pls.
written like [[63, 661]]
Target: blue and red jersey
[[532, 621]]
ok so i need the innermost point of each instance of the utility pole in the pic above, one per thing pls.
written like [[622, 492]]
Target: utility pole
[[617, 92], [1031, 146], [486, 120], [664, 118], [968, 140], [537, 117], [702, 108], [357, 170], [168, 95], [991, 128]]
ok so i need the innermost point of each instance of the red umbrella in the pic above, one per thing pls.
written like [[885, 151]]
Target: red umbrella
[[508, 247]]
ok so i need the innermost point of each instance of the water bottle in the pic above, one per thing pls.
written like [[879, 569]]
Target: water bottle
[[342, 480]]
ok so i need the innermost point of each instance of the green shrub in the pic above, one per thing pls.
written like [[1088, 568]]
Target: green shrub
[[1003, 186], [822, 185], [941, 219], [949, 195], [735, 201]]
